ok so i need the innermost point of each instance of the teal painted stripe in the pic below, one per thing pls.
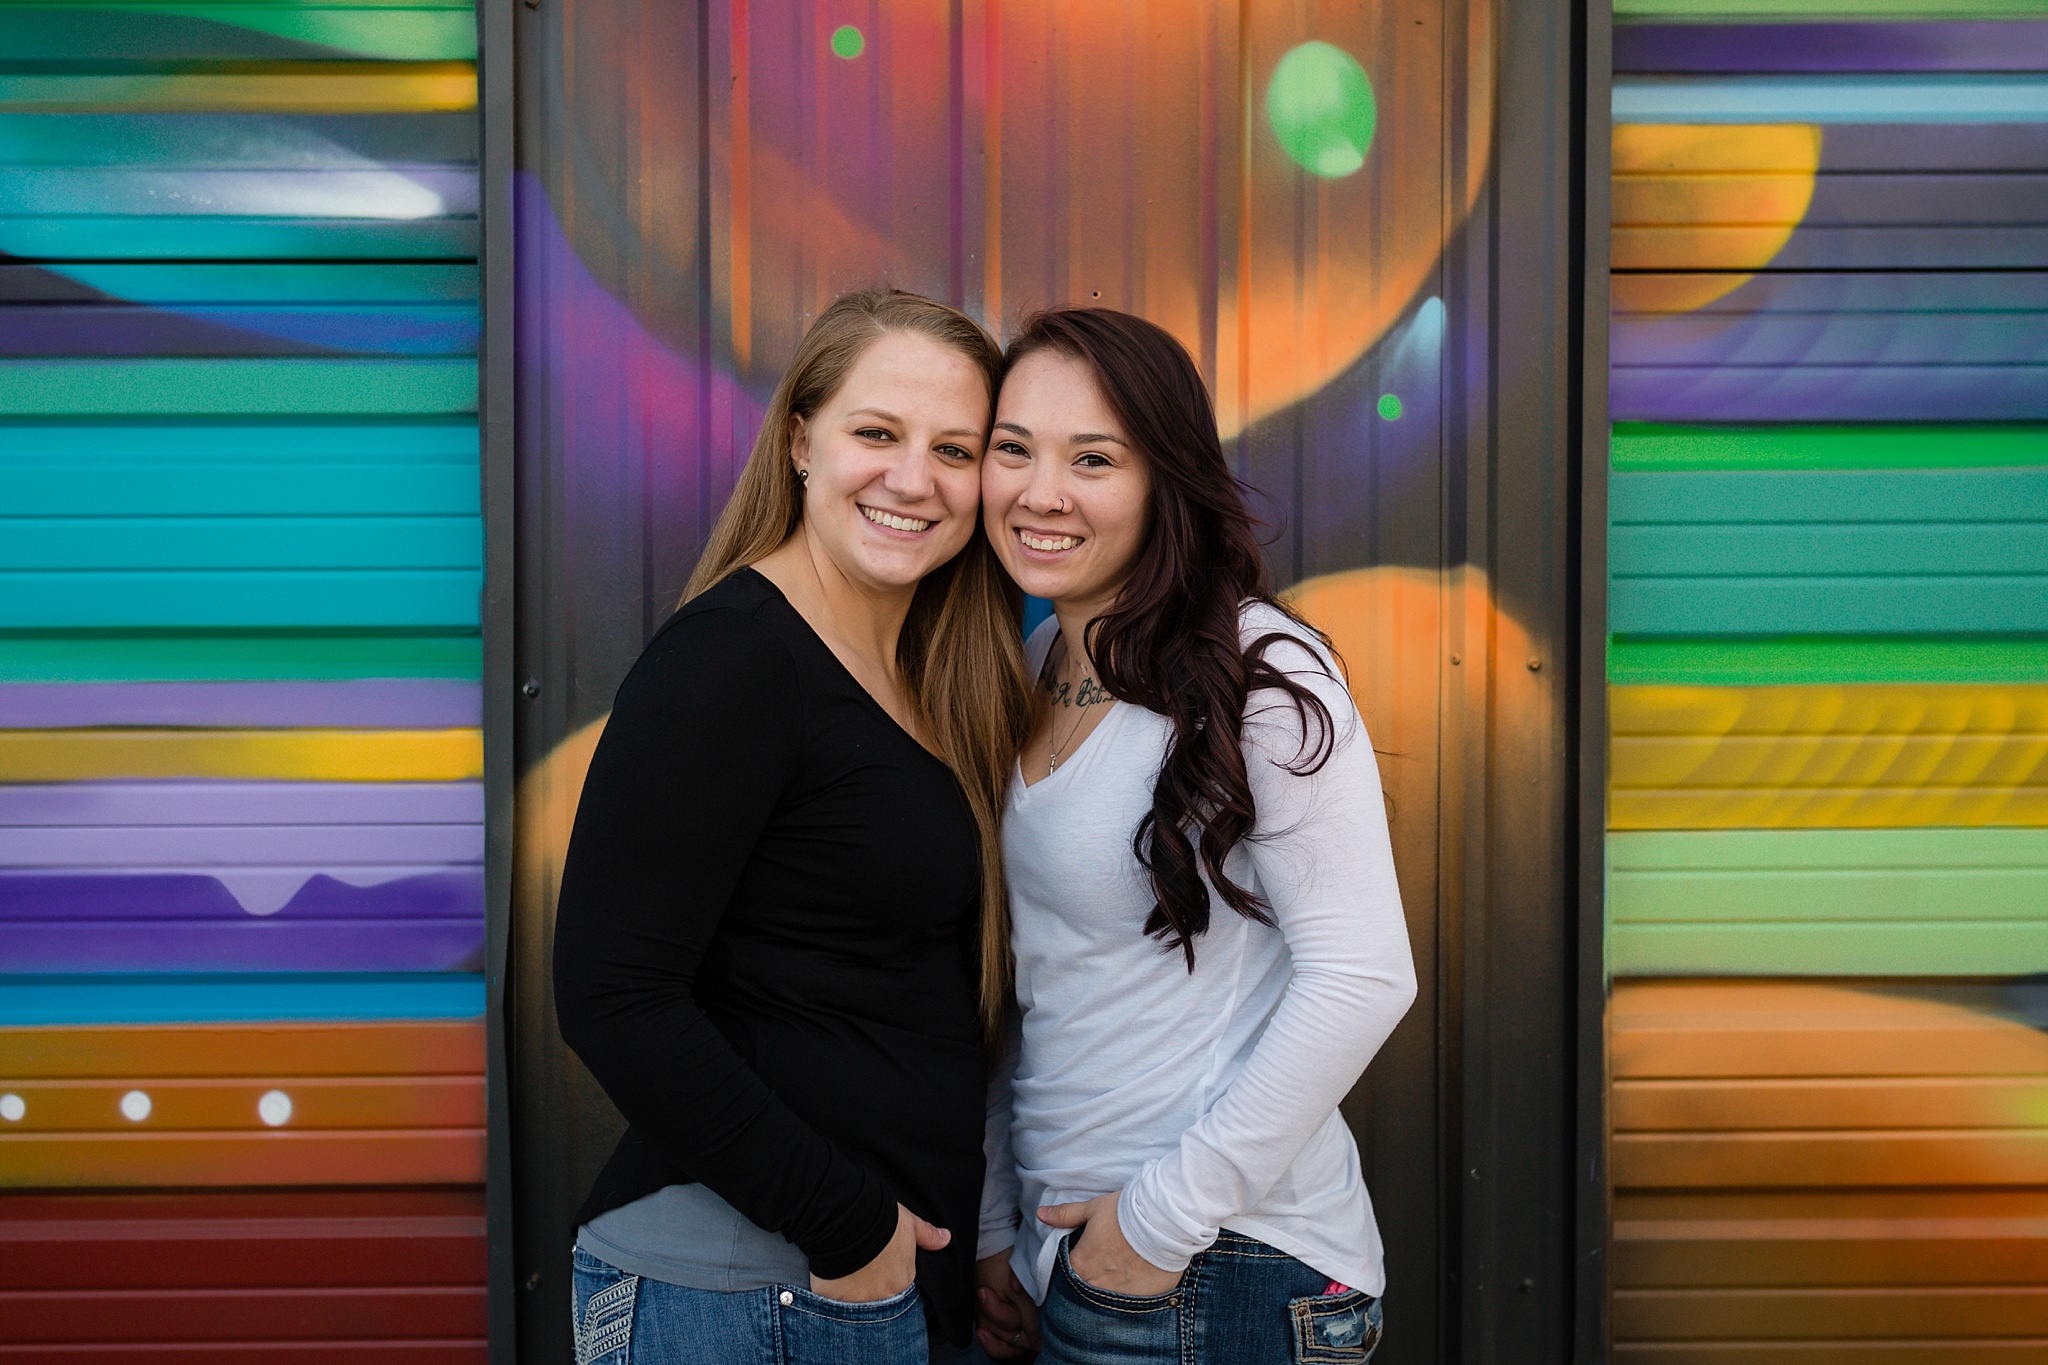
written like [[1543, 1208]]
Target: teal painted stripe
[[253, 387], [1830, 550], [144, 238], [185, 33], [302, 598], [30, 1000], [185, 656], [1828, 902], [1984, 604], [267, 283], [1645, 447], [243, 543], [444, 141], [145, 440], [164, 489], [1944, 98], [1781, 661], [1804, 498]]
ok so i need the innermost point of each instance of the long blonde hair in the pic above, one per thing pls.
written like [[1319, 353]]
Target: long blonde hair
[[959, 652]]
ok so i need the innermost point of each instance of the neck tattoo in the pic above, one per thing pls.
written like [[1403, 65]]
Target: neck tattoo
[[1080, 696]]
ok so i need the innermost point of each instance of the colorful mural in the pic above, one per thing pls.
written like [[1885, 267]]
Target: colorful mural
[[1828, 812], [1287, 188], [241, 815]]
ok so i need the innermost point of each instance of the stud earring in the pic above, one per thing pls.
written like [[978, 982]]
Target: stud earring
[[803, 476]]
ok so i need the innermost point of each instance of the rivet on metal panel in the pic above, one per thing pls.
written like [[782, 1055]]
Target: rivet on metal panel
[[530, 688], [1457, 659], [1535, 665], [533, 1280]]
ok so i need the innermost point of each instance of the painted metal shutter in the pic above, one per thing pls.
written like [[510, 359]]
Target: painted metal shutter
[[1828, 811], [241, 817]]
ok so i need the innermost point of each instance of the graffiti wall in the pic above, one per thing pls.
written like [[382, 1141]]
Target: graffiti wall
[[241, 839], [1300, 192], [1828, 814]]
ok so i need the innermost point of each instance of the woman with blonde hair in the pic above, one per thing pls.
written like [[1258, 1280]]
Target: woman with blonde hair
[[780, 944]]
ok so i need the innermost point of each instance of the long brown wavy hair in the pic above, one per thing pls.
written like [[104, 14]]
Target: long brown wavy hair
[[1172, 641], [959, 652]]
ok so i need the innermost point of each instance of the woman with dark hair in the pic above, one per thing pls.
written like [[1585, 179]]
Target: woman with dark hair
[[1171, 1092], [780, 941]]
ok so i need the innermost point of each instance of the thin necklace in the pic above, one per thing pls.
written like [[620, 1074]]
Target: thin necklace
[[1080, 714]]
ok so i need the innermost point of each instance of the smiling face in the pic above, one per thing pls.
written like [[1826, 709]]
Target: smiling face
[[893, 462], [1066, 498]]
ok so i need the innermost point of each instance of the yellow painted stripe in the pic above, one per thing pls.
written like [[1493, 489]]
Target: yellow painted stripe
[[404, 1156], [300, 88], [1813, 757], [282, 755]]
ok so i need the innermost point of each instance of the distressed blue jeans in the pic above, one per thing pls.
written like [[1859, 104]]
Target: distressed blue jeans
[[1241, 1302], [625, 1319]]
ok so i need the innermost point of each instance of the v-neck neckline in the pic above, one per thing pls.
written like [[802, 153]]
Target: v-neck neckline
[[845, 672]]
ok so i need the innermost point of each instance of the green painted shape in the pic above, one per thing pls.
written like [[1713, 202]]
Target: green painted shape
[[1797, 499], [1837, 551], [119, 441], [1789, 661], [242, 282], [146, 238], [182, 598], [1789, 10], [1320, 106], [301, 542], [1389, 407], [421, 31], [1980, 604], [1951, 949], [238, 490], [1645, 447], [251, 387], [1829, 902], [848, 42], [161, 656]]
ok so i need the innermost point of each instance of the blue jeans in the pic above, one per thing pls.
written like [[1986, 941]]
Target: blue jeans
[[1241, 1302], [623, 1319]]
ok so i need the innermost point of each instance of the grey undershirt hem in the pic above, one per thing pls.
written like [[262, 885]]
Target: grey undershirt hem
[[686, 1235]]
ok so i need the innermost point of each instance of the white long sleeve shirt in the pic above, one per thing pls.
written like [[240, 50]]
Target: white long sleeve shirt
[[1208, 1099]]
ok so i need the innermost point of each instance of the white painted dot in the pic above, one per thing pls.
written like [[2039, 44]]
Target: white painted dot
[[135, 1106], [275, 1108], [12, 1107]]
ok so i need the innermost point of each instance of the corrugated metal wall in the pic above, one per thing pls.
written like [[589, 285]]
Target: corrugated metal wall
[[1828, 811], [1312, 198], [241, 822]]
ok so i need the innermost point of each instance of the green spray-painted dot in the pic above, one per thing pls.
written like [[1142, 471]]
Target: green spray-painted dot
[[848, 42], [1321, 107], [1390, 407]]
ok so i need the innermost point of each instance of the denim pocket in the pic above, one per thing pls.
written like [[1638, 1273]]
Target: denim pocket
[[1108, 1299], [1335, 1329], [602, 1300], [821, 1331]]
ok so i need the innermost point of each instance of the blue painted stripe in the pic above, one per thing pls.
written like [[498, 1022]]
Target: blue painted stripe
[[272, 441], [183, 598], [165, 489], [243, 282], [1832, 99], [27, 1000], [145, 239]]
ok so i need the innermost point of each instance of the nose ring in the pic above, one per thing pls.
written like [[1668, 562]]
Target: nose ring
[[1061, 510]]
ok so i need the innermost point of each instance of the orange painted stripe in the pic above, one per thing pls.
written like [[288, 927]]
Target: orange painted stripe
[[1831, 1102], [451, 1156], [1945, 1156], [410, 1048], [315, 1104]]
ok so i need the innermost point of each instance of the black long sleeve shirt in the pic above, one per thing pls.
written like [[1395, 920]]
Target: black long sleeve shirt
[[764, 946]]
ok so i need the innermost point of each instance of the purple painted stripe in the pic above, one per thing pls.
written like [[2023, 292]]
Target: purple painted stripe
[[242, 803], [310, 846], [352, 703], [441, 894], [1704, 49], [1830, 393], [253, 946]]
